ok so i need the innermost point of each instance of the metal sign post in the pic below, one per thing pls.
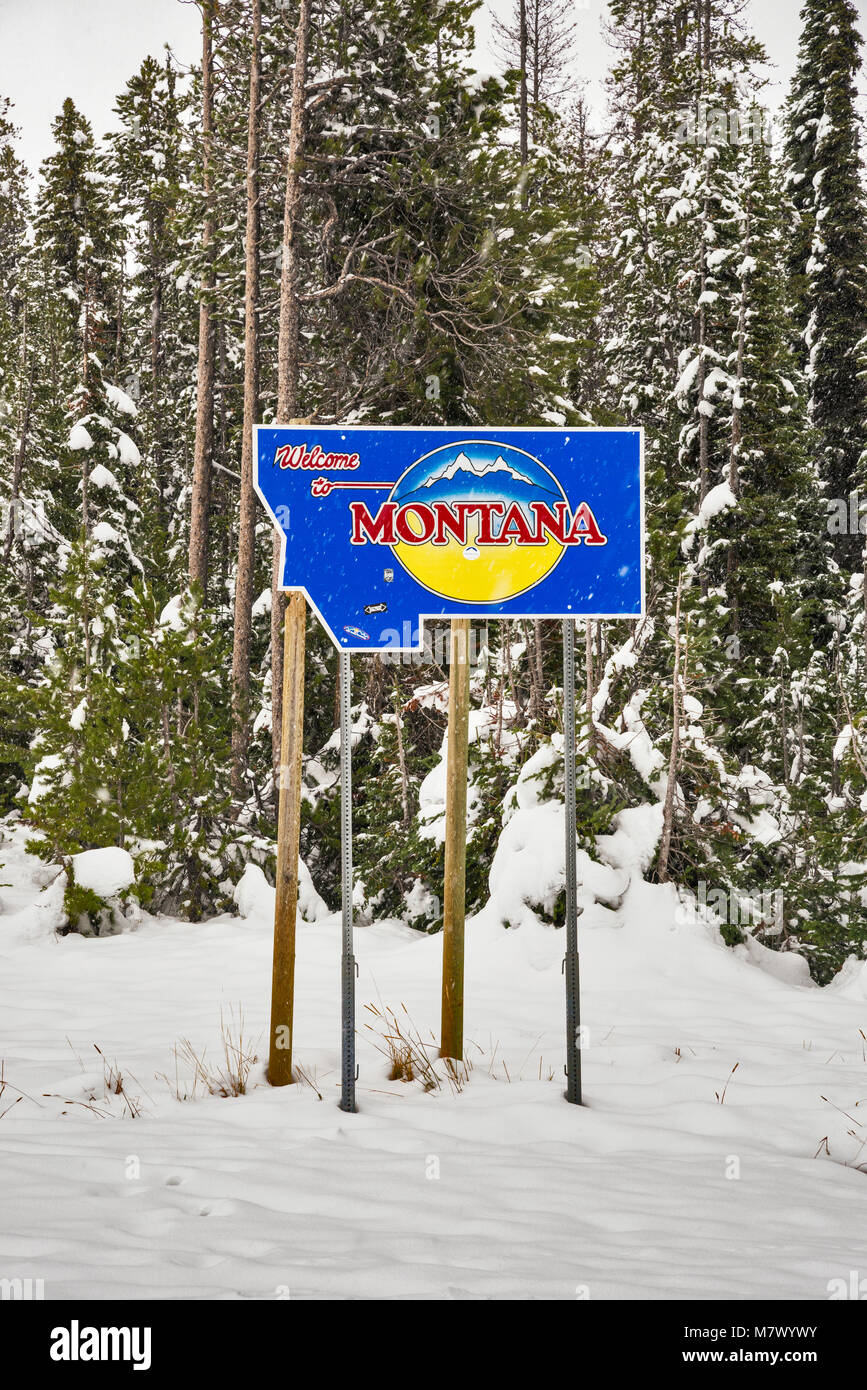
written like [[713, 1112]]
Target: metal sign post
[[347, 964], [573, 1006]]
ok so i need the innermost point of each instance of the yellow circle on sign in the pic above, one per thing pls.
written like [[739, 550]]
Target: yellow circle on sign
[[468, 570]]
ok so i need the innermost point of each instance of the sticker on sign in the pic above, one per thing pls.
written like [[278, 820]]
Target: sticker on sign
[[385, 527]]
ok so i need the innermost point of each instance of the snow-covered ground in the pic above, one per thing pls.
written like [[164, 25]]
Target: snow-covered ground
[[655, 1189]]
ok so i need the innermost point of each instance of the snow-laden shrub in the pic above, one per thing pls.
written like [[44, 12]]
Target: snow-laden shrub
[[99, 897]]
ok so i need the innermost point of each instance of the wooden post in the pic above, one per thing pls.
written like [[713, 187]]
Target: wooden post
[[454, 892], [288, 837]]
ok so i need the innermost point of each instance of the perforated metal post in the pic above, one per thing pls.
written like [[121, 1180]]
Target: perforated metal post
[[573, 1006], [347, 964]]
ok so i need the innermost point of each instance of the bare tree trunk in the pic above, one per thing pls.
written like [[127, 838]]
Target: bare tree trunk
[[784, 730], [864, 593], [671, 787], [510, 675], [288, 351], [85, 374], [522, 43], [18, 465], [703, 466], [156, 333], [535, 684], [703, 459], [540, 665], [247, 509], [737, 408], [118, 351], [200, 507], [401, 761], [589, 692], [537, 77], [734, 480], [289, 343], [85, 491]]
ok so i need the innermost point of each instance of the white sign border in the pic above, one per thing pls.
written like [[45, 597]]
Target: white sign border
[[473, 617]]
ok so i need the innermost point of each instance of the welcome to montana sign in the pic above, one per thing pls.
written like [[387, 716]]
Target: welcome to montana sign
[[383, 528]]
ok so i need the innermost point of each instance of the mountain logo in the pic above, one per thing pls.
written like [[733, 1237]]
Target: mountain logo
[[477, 522]]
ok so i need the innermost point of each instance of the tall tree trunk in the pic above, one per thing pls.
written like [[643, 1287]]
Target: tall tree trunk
[[289, 344], [540, 665], [288, 351], [85, 488], [535, 684], [200, 507], [737, 407], [247, 509], [864, 596], [522, 59], [537, 75], [224, 506], [703, 430], [401, 758], [118, 347], [784, 729], [703, 460], [155, 354], [589, 691], [510, 674], [20, 456], [734, 480], [85, 397], [674, 760]]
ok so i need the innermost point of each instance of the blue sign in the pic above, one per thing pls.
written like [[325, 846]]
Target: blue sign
[[383, 528]]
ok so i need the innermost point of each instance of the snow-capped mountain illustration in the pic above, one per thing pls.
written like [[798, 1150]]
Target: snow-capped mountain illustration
[[478, 468], [476, 480]]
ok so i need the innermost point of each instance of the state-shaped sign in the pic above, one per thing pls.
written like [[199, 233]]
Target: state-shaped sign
[[384, 527]]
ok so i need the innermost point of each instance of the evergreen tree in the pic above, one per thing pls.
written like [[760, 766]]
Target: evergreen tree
[[149, 165], [829, 248]]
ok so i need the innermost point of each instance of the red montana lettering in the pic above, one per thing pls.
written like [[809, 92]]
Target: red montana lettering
[[487, 512], [452, 520], [584, 528], [379, 529], [421, 523], [515, 527], [556, 525], [424, 518]]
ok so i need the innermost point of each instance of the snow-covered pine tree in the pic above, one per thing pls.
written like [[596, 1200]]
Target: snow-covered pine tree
[[148, 158], [22, 499], [81, 239], [829, 247]]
